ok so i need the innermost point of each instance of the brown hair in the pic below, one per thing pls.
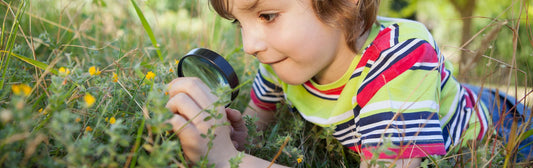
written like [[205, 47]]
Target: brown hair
[[353, 18]]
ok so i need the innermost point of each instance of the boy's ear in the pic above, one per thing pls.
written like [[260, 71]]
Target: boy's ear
[[354, 2]]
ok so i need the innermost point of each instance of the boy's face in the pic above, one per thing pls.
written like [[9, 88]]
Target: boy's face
[[287, 35]]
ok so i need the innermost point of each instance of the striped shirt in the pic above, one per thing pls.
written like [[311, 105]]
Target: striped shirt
[[399, 95]]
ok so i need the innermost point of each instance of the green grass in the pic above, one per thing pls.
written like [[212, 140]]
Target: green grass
[[54, 125]]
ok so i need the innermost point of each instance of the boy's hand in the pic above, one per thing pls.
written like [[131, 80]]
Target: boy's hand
[[189, 99], [239, 131]]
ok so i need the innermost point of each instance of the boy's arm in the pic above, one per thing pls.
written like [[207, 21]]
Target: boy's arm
[[239, 131], [265, 117], [404, 163], [252, 161]]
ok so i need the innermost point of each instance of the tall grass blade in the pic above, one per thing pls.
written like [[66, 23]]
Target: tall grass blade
[[10, 40], [526, 134], [33, 62], [148, 29], [137, 143]]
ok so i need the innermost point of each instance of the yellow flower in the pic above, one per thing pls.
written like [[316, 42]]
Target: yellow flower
[[112, 120], [78, 119], [176, 61], [88, 128], [64, 71], [26, 89], [150, 75], [115, 77], [89, 99], [299, 160], [107, 118], [16, 89], [44, 111], [94, 71], [170, 70], [21, 89]]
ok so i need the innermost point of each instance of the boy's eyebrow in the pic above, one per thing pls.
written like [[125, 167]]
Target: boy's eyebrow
[[251, 6]]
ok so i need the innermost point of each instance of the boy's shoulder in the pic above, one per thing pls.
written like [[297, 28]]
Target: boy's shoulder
[[406, 29], [400, 22]]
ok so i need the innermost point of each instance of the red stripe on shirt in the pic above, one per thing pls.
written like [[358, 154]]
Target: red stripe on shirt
[[470, 102], [424, 52], [382, 41], [335, 91], [263, 105], [403, 152]]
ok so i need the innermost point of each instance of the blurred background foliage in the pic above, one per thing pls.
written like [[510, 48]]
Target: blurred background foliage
[[464, 29], [489, 42], [459, 26]]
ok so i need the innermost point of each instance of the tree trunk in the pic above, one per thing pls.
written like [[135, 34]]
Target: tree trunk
[[466, 10]]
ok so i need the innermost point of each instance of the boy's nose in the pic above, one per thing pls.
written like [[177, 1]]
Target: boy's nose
[[253, 42]]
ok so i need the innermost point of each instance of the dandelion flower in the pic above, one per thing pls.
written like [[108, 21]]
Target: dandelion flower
[[107, 119], [112, 120], [78, 119], [89, 99], [150, 75], [115, 77], [94, 71], [176, 61], [64, 71], [170, 70], [88, 128]]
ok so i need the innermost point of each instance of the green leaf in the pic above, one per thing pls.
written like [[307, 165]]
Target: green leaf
[[33, 62], [147, 28], [4, 62], [526, 134]]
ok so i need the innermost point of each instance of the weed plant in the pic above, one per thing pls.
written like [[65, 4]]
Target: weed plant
[[84, 85]]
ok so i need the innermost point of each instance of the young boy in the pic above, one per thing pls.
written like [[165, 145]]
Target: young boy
[[377, 80]]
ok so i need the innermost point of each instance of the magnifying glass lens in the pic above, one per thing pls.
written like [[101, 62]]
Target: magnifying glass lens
[[212, 69], [205, 70]]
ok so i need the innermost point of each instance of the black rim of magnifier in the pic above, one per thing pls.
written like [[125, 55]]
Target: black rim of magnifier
[[219, 63]]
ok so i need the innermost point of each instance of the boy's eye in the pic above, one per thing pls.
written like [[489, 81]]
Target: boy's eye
[[268, 17]]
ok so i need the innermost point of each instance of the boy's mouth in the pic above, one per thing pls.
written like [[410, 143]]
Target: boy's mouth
[[274, 62]]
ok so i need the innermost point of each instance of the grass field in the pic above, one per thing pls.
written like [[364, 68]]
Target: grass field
[[83, 85]]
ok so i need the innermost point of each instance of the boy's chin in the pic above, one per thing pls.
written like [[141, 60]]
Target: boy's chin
[[293, 80], [291, 76]]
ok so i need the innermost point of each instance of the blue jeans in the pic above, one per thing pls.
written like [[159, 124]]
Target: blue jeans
[[506, 108]]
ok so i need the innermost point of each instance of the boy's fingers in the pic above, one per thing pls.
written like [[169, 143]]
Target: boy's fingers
[[190, 138], [235, 144], [182, 104], [235, 118], [194, 87], [180, 124]]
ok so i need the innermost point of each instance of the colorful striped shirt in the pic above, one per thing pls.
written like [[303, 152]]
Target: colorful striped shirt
[[398, 94]]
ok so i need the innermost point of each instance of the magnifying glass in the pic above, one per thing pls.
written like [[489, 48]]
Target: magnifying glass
[[212, 69]]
